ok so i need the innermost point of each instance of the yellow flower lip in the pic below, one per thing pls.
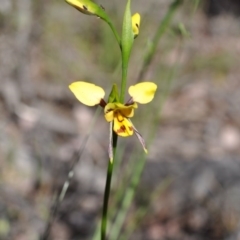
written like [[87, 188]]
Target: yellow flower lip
[[122, 126]]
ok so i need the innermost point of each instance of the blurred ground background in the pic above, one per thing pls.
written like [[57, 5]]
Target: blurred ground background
[[45, 45]]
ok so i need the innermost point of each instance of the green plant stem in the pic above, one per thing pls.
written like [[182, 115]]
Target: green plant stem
[[107, 189], [115, 198], [115, 33], [160, 31], [124, 82]]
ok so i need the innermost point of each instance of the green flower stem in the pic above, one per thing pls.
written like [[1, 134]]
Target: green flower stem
[[115, 33], [124, 81], [115, 198], [107, 189], [160, 31]]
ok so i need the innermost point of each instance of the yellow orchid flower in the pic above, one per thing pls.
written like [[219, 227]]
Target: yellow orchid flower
[[136, 18], [117, 113], [87, 7]]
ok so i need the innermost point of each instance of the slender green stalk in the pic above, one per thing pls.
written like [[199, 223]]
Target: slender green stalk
[[106, 198], [107, 189], [115, 33], [126, 45], [123, 83], [160, 31], [115, 198]]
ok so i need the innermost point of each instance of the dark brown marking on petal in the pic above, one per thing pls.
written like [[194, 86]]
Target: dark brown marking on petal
[[137, 25], [130, 128], [85, 8], [102, 7], [121, 129], [109, 110]]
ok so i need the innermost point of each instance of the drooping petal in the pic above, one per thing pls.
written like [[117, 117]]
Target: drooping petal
[[122, 126], [87, 93], [143, 92], [140, 138], [136, 24]]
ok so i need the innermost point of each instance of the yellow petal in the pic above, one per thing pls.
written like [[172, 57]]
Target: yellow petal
[[143, 92], [87, 93], [136, 18], [122, 126]]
